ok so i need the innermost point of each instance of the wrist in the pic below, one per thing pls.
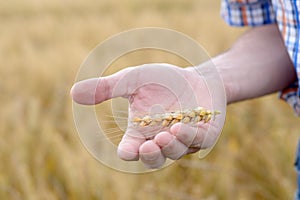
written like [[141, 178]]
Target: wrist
[[231, 89], [217, 79]]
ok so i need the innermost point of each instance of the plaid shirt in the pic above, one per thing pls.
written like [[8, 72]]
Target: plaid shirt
[[286, 13]]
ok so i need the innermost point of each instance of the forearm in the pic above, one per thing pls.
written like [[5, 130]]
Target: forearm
[[257, 64]]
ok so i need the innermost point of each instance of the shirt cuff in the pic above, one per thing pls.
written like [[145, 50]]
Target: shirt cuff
[[291, 96]]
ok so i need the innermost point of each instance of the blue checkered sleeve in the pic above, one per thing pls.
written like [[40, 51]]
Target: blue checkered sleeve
[[247, 12]]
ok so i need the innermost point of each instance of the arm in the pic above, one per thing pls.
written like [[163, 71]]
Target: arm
[[256, 65]]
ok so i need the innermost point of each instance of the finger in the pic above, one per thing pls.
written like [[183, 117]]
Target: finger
[[128, 148], [171, 147], [192, 150], [151, 155], [97, 90], [188, 135]]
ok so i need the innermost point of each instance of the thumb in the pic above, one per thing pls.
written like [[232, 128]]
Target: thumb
[[96, 90]]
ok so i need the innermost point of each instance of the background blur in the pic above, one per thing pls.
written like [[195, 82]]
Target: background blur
[[43, 43]]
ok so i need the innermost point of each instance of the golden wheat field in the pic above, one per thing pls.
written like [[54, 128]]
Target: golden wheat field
[[42, 45]]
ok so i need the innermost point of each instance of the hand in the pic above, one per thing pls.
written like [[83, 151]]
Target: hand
[[155, 89]]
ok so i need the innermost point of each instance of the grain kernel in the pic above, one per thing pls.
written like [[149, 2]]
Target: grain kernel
[[143, 123], [202, 113], [192, 114], [137, 119], [147, 119], [197, 119], [186, 120], [174, 121], [165, 122], [207, 118], [178, 116]]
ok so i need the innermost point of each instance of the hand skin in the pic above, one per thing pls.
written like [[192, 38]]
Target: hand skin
[[165, 85], [256, 65]]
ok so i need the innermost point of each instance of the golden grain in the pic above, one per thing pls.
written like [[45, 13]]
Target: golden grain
[[164, 122], [194, 115], [186, 120]]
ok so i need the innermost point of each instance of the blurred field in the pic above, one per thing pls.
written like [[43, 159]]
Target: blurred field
[[42, 44]]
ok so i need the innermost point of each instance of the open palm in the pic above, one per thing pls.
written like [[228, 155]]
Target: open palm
[[155, 89]]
